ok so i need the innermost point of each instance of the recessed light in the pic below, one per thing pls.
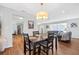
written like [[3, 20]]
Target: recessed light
[[63, 11], [20, 17]]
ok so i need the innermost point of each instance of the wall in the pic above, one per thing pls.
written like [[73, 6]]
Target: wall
[[6, 20], [10, 19], [27, 30], [24, 21], [75, 31]]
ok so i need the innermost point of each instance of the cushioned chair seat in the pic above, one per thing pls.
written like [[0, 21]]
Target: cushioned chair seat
[[31, 45], [44, 44]]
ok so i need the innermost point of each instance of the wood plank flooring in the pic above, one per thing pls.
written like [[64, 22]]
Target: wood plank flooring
[[63, 48], [17, 48]]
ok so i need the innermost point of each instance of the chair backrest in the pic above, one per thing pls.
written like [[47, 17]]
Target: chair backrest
[[26, 37], [50, 40], [53, 32], [50, 37], [50, 33], [26, 40], [35, 33]]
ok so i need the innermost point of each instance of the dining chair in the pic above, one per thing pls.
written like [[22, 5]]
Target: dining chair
[[53, 32], [47, 44], [28, 45], [35, 33]]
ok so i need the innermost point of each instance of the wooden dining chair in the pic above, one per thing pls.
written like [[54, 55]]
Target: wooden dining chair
[[28, 45], [56, 37], [35, 33], [47, 44]]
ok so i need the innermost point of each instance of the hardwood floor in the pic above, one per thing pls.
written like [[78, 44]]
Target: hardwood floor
[[17, 48], [63, 48]]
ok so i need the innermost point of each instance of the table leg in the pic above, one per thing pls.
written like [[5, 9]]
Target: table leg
[[34, 49], [56, 43]]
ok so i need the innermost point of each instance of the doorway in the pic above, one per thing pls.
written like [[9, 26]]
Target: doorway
[[19, 28]]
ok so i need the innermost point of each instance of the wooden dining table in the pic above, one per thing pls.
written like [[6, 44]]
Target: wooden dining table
[[36, 40]]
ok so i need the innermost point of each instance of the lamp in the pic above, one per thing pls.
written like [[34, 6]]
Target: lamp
[[42, 15]]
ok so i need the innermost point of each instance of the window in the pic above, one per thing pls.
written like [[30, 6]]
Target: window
[[58, 27]]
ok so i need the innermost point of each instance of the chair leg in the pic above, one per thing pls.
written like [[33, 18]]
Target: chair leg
[[29, 52], [52, 47], [39, 49], [24, 52], [24, 49], [47, 51]]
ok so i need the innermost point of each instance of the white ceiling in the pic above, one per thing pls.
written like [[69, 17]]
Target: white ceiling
[[55, 10]]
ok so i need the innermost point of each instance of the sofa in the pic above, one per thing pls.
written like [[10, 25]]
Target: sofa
[[66, 36]]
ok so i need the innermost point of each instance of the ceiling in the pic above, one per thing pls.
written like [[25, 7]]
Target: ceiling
[[55, 10]]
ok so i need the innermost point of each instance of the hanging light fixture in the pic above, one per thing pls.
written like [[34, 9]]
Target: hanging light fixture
[[41, 3], [42, 15]]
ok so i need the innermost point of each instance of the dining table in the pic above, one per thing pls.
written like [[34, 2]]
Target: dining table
[[36, 40]]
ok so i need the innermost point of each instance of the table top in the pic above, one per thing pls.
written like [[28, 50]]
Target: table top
[[38, 38]]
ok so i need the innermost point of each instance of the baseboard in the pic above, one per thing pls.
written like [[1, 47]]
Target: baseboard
[[2, 50], [9, 46], [75, 38]]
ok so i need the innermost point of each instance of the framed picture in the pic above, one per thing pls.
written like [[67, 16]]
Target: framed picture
[[73, 25], [30, 24]]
